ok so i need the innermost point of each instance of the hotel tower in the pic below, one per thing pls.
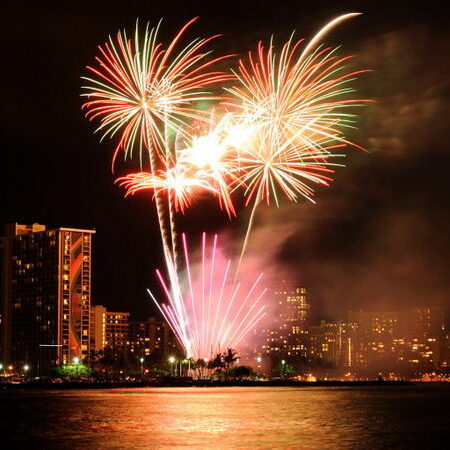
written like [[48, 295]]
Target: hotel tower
[[45, 295]]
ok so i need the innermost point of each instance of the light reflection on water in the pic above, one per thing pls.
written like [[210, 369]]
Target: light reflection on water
[[299, 418]]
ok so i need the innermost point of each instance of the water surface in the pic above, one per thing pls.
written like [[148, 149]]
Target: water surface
[[389, 417]]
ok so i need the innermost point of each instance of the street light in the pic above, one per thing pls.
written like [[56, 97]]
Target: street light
[[76, 360], [282, 369], [142, 366], [171, 360], [26, 367], [258, 359]]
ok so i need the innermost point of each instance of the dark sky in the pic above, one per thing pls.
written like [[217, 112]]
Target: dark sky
[[379, 237]]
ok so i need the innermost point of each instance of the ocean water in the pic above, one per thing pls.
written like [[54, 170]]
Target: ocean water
[[372, 417]]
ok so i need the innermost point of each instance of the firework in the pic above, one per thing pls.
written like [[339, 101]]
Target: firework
[[213, 154], [207, 311], [175, 181], [141, 88], [285, 121], [207, 163], [298, 104], [298, 94]]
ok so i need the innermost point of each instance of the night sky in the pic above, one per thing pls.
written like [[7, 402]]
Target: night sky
[[379, 237]]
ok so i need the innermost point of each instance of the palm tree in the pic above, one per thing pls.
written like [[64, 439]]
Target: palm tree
[[217, 362], [230, 357]]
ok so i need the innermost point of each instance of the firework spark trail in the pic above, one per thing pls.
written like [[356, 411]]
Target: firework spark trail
[[176, 312], [173, 233], [207, 312], [211, 271], [203, 284], [324, 30], [219, 304], [230, 329], [158, 200], [247, 323], [195, 336]]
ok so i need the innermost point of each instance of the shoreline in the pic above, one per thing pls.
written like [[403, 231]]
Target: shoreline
[[207, 383]]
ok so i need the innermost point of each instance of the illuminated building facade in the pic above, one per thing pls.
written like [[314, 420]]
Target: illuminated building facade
[[334, 343], [109, 329], [444, 354], [407, 341], [142, 338], [147, 337], [325, 342], [393, 343], [45, 294], [288, 335]]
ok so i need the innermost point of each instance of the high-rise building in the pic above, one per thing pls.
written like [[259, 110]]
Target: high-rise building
[[444, 353], [292, 307], [325, 342], [45, 294], [334, 343], [349, 356], [287, 335], [142, 338], [148, 337], [97, 319], [109, 329], [427, 322]]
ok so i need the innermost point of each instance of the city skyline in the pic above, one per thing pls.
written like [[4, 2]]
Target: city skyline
[[48, 319]]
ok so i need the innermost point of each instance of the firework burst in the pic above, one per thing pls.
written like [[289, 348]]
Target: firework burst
[[141, 88], [268, 164], [179, 186], [298, 93], [205, 164], [297, 104]]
